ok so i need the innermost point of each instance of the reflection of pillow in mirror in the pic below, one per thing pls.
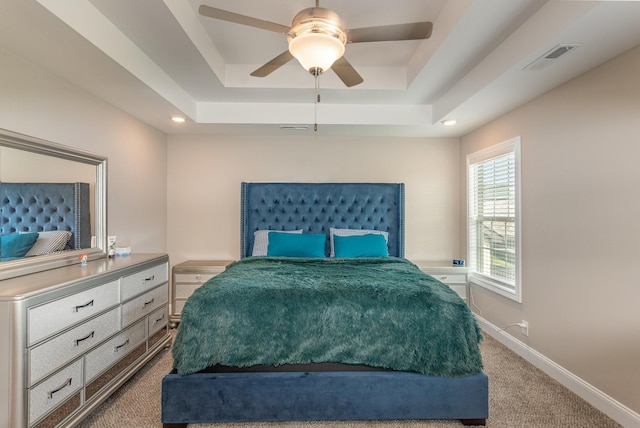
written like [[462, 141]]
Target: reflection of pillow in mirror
[[50, 242], [16, 244], [261, 240]]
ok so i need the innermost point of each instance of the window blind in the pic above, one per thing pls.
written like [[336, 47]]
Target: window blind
[[493, 218]]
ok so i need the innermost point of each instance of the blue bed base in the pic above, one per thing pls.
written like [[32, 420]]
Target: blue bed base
[[333, 395], [291, 396]]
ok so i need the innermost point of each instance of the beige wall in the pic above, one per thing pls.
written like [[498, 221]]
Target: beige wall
[[580, 211], [205, 172], [37, 103], [20, 166]]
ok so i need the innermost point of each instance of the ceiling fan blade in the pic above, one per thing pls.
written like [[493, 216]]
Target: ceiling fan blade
[[236, 18], [412, 31], [346, 72], [273, 65]]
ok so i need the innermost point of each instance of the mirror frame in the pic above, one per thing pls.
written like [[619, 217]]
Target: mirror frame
[[40, 263]]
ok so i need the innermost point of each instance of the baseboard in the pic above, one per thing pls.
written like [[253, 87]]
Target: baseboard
[[601, 401]]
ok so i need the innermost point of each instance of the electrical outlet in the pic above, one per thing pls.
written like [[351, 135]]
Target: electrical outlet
[[524, 326]]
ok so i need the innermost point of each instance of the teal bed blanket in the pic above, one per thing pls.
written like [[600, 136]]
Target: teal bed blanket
[[381, 312]]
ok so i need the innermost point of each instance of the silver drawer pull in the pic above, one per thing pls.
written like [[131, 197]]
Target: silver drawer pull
[[151, 278], [86, 305], [90, 335], [158, 320], [60, 388], [117, 348], [444, 277], [148, 303]]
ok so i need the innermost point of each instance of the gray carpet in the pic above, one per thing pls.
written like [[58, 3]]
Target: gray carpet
[[520, 395]]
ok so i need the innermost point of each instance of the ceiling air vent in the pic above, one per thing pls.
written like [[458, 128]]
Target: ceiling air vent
[[550, 57]]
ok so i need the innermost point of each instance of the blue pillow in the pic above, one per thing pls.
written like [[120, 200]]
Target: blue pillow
[[17, 244], [296, 244], [369, 245]]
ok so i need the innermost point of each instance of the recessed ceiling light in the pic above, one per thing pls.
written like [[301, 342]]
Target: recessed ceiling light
[[178, 119], [449, 122]]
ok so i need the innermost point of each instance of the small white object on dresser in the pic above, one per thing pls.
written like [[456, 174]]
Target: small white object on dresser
[[71, 336], [444, 271], [186, 277]]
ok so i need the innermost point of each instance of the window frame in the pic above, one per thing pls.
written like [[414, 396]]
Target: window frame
[[494, 284]]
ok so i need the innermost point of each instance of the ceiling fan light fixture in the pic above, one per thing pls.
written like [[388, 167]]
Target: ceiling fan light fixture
[[316, 51], [317, 39]]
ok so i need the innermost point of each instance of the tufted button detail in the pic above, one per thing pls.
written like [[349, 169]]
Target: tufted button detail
[[315, 208]]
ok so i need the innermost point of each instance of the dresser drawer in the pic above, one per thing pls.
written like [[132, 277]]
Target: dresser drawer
[[157, 320], [197, 278], [183, 291], [45, 397], [461, 289], [178, 306], [48, 356], [114, 349], [138, 283], [44, 320], [451, 278], [145, 304]]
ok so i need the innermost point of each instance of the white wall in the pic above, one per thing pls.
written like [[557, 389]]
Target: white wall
[[580, 218], [205, 172], [37, 103]]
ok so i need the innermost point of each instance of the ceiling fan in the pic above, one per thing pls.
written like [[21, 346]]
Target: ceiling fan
[[317, 39]]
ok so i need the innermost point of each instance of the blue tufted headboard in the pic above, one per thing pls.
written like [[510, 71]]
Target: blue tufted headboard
[[37, 207], [315, 207]]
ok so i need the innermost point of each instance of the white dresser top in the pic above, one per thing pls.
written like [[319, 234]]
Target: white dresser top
[[26, 286]]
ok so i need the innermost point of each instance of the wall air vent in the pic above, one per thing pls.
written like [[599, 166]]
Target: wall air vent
[[294, 127], [550, 57]]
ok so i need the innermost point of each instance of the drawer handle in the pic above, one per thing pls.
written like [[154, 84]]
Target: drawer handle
[[86, 305], [444, 277], [90, 335], [149, 302], [60, 388], [151, 278], [158, 320], [117, 348]]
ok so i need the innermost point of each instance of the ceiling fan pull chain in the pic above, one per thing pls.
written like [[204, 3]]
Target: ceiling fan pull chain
[[315, 113]]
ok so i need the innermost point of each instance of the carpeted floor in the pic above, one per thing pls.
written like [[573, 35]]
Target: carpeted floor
[[520, 396]]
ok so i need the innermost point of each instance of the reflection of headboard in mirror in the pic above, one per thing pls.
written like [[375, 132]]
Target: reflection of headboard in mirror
[[39, 207]]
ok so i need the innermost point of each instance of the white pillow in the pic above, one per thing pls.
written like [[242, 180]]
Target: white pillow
[[261, 240], [49, 242], [352, 232]]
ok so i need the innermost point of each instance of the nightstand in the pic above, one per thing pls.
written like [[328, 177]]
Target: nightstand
[[186, 277], [444, 271]]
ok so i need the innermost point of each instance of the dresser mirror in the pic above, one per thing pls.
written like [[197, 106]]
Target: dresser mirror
[[48, 187]]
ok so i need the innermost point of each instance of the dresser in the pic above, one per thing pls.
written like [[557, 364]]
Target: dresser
[[73, 335], [186, 277], [444, 271]]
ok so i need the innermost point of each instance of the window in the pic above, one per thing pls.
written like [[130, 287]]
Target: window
[[494, 218]]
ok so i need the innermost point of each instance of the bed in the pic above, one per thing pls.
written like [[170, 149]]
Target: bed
[[342, 383], [43, 218]]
